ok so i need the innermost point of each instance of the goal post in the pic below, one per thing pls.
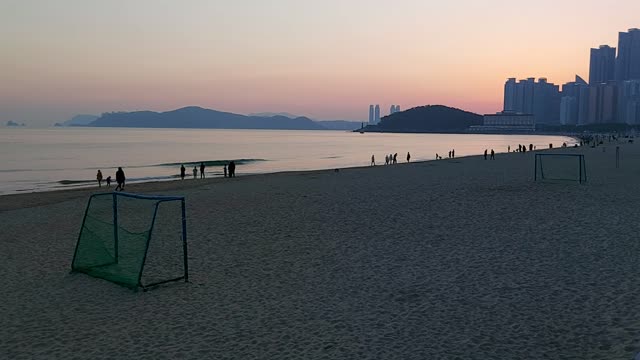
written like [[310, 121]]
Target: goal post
[[560, 167], [138, 241]]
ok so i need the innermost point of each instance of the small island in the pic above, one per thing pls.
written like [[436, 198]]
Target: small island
[[14, 124]]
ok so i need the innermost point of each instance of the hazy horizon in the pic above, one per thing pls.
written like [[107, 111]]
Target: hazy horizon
[[326, 60]]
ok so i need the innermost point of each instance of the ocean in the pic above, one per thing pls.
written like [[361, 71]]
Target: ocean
[[58, 158]]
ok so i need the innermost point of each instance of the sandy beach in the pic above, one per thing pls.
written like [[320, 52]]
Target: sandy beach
[[451, 259]]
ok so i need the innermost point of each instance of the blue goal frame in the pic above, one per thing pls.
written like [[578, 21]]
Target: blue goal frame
[[159, 200], [582, 167]]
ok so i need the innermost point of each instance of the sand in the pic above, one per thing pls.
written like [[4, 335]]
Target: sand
[[451, 259]]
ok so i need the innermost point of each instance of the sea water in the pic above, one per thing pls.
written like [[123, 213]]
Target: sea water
[[57, 158]]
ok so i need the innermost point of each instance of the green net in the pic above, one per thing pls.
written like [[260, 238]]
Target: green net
[[115, 240]]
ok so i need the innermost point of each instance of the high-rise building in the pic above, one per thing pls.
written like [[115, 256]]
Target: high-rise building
[[628, 60], [377, 114], [372, 118], [602, 66], [574, 104], [542, 99], [629, 102], [398, 108], [392, 110], [603, 103]]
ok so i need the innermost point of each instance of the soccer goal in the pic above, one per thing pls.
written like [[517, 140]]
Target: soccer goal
[[560, 167], [133, 240]]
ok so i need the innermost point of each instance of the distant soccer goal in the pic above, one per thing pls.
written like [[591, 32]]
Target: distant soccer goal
[[560, 167], [133, 240]]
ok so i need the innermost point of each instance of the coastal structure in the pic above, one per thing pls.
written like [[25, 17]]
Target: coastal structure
[[506, 121]]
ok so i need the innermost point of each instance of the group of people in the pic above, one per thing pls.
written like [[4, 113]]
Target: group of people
[[493, 154], [120, 179], [231, 172], [389, 159]]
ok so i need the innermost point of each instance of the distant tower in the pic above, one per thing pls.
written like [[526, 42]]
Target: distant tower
[[392, 110], [377, 114], [397, 108], [371, 115]]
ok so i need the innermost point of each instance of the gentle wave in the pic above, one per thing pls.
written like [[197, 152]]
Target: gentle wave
[[212, 162], [189, 163]]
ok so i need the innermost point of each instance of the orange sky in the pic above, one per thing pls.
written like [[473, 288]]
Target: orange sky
[[326, 60]]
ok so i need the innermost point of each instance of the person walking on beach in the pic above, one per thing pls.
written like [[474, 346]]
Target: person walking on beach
[[195, 172], [509, 148], [493, 155], [225, 170], [395, 158], [449, 154], [386, 159], [183, 172], [373, 160], [120, 178], [453, 153], [109, 181], [201, 170], [485, 154], [232, 169], [99, 178], [408, 157]]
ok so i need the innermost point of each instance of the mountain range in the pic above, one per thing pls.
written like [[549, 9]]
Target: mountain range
[[194, 117]]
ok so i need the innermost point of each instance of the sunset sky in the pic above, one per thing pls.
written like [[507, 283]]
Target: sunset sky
[[323, 59]]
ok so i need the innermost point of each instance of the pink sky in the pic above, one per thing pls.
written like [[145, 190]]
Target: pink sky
[[326, 60]]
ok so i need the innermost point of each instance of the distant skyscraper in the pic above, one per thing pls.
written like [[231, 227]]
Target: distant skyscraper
[[377, 114], [397, 108], [542, 99], [574, 104], [628, 61], [392, 110], [602, 67], [510, 95], [372, 118]]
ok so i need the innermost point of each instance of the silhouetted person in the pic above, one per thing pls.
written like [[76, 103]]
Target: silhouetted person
[[183, 172], [395, 158], [408, 157], [449, 154], [373, 160], [550, 146], [437, 156], [108, 181], [485, 154], [202, 170], [386, 159], [232, 169], [493, 155], [120, 178], [99, 178], [509, 148], [195, 172], [225, 171], [530, 147], [453, 153]]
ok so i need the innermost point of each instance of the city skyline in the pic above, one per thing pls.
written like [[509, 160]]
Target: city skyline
[[92, 57]]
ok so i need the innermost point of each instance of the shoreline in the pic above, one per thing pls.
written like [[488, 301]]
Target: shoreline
[[46, 197]]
